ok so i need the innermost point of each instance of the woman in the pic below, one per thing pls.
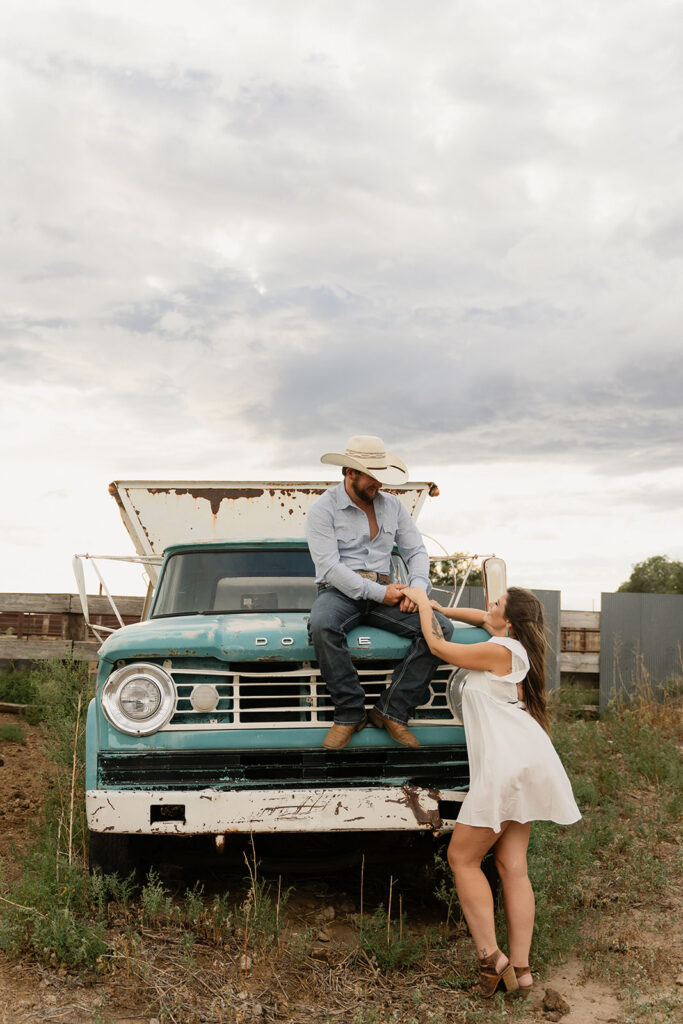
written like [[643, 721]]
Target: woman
[[515, 774]]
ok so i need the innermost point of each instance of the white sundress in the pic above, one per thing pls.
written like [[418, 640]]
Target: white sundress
[[515, 773]]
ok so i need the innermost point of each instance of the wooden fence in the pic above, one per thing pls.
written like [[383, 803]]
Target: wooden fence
[[52, 625], [580, 643]]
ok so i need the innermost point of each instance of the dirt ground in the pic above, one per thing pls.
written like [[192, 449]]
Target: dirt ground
[[29, 993]]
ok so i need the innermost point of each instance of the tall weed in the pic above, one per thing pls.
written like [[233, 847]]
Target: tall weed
[[391, 945], [53, 909]]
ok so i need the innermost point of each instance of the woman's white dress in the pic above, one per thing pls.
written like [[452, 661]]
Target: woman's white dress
[[515, 773]]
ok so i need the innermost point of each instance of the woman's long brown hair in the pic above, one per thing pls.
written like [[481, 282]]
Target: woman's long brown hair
[[524, 612]]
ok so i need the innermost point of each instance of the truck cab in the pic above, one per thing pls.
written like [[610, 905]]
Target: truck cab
[[209, 714]]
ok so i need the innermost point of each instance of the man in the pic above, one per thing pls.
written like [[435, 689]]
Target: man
[[351, 532]]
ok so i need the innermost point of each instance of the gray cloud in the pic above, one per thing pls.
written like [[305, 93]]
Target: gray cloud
[[481, 403], [455, 237]]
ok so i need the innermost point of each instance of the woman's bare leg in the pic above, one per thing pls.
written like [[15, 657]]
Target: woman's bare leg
[[468, 846], [518, 896]]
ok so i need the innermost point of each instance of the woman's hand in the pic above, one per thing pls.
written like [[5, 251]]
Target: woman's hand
[[415, 594], [437, 607]]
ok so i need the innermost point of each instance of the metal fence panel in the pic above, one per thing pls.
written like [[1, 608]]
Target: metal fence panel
[[473, 597], [641, 642]]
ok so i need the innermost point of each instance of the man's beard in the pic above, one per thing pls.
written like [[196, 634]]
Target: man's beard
[[364, 495]]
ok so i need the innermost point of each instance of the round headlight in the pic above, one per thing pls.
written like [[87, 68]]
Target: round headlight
[[139, 699], [453, 694]]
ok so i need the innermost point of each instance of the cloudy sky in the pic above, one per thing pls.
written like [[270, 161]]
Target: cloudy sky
[[235, 233]]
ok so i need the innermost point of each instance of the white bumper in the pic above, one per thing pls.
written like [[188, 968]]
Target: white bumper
[[211, 811]]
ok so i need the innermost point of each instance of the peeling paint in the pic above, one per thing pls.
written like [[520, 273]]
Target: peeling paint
[[299, 810], [429, 817]]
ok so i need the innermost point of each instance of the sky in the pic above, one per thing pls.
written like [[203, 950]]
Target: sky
[[237, 233]]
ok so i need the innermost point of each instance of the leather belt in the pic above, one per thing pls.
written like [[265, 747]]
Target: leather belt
[[376, 577]]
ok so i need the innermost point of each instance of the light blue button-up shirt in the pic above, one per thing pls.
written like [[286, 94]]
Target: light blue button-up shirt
[[338, 534]]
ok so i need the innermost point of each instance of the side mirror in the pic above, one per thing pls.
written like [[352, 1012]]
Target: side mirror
[[494, 573]]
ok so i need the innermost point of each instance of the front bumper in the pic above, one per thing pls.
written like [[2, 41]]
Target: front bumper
[[215, 812]]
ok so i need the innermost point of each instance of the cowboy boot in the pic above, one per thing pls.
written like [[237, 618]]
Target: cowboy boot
[[398, 732], [339, 736]]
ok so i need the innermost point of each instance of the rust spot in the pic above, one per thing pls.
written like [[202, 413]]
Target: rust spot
[[422, 817], [212, 494], [216, 497]]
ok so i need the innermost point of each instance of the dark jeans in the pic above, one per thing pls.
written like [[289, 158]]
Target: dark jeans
[[332, 616]]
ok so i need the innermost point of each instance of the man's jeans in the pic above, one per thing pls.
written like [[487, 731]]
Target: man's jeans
[[333, 615]]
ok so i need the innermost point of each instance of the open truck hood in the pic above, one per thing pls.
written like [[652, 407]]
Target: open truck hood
[[159, 513]]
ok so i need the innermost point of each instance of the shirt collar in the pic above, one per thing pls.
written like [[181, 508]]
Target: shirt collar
[[341, 497]]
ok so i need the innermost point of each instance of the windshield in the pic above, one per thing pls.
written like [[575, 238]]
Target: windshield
[[256, 580]]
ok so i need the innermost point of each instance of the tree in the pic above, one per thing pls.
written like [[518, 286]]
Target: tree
[[441, 573], [656, 575]]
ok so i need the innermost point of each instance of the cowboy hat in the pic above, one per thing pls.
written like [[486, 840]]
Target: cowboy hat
[[368, 455]]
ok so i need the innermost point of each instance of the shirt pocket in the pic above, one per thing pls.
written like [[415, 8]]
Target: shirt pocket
[[384, 541], [346, 535]]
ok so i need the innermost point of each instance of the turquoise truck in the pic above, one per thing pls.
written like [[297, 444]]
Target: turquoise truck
[[209, 713]]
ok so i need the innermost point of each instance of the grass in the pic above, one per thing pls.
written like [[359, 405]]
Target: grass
[[601, 886], [392, 945]]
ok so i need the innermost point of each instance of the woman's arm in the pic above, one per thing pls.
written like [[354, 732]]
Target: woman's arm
[[473, 616], [484, 657]]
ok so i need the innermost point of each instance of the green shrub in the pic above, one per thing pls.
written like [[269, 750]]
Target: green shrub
[[391, 946], [68, 940], [17, 686], [156, 904], [11, 733]]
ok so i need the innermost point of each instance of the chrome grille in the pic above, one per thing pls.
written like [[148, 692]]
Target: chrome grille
[[294, 696]]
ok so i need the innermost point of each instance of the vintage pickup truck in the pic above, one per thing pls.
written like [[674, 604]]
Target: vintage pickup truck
[[209, 713]]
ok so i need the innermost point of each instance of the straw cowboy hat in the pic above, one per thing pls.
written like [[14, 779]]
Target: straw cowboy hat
[[368, 455]]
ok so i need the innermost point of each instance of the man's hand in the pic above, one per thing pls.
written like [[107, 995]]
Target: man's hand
[[394, 593]]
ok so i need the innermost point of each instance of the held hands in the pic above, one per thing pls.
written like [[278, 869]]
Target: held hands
[[407, 605], [412, 598], [394, 594], [405, 597]]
